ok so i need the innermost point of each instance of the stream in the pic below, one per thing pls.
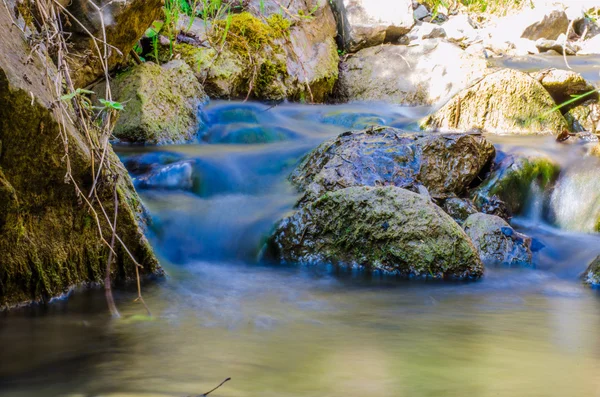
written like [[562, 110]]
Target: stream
[[314, 330]]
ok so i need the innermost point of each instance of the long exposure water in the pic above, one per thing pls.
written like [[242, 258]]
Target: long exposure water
[[312, 331]]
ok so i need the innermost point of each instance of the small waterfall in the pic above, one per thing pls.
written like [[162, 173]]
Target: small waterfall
[[575, 201], [535, 203]]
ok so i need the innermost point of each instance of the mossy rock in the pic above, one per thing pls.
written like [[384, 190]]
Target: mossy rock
[[445, 164], [497, 242], [504, 102], [162, 104], [459, 209], [592, 274], [386, 228], [266, 58], [514, 175], [49, 238]]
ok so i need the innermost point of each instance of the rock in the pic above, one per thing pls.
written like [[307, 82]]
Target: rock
[[427, 74], [504, 102], [49, 239], [459, 209], [386, 228], [420, 12], [513, 176], [367, 23], [298, 62], [460, 28], [563, 85], [176, 176], [497, 242], [592, 274], [425, 30], [161, 104], [125, 23], [548, 25], [559, 46], [444, 163], [585, 117]]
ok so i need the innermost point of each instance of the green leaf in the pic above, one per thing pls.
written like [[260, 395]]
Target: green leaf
[[112, 104]]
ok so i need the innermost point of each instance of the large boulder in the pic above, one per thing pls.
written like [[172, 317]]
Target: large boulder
[[385, 228], [267, 55], [497, 242], [504, 102], [426, 74], [514, 175], [49, 238], [445, 164], [367, 23], [161, 103], [563, 85]]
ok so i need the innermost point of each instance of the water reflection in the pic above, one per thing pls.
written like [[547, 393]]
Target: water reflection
[[306, 331]]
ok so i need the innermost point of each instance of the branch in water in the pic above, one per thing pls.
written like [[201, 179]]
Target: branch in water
[[208, 392]]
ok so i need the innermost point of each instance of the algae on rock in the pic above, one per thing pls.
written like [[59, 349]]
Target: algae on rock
[[385, 228]]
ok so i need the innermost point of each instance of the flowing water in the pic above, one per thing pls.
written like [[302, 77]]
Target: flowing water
[[312, 331]]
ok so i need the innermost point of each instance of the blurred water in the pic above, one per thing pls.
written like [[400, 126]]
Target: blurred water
[[307, 331]]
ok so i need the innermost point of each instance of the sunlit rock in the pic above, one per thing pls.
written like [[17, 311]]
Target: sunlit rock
[[426, 74], [386, 228], [367, 23], [585, 117], [497, 242], [445, 164], [504, 102]]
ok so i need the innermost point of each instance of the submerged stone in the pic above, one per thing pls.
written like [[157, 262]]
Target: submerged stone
[[240, 133], [504, 102], [445, 164], [176, 176], [385, 228], [497, 242]]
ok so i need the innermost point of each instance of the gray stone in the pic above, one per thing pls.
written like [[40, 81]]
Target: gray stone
[[459, 209], [445, 164], [420, 12], [497, 242]]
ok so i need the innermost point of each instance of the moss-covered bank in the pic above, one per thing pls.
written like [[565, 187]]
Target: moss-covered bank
[[49, 240]]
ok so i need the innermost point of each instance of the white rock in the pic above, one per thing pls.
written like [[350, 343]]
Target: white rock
[[426, 30], [365, 23]]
